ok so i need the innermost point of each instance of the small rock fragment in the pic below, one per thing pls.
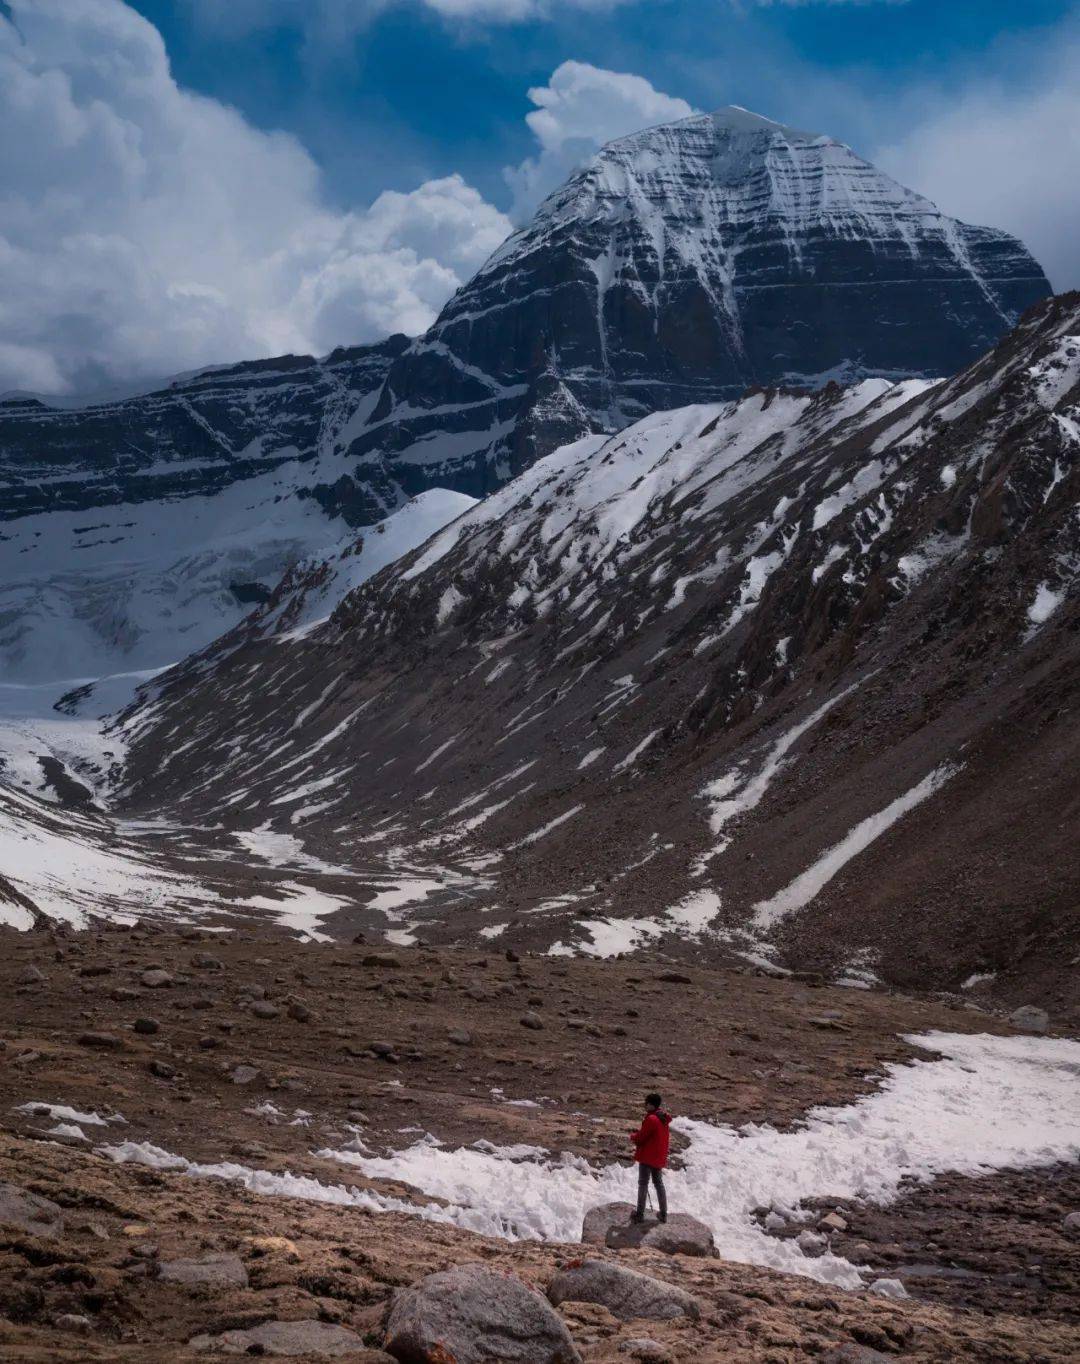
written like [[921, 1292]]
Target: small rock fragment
[[285, 1338], [103, 1041], [1029, 1018], [29, 1213], [70, 1321], [222, 1271]]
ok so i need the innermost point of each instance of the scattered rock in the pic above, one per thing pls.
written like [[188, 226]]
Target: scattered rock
[[681, 1234], [243, 1075], [299, 1013], [29, 1212], [1030, 1018], [71, 1322], [104, 1041], [475, 1315], [30, 975], [828, 1024], [262, 1008], [162, 1070], [386, 960], [460, 1037], [888, 1288], [855, 1354], [646, 1351], [675, 978], [146, 1026], [203, 961], [221, 1271], [832, 1221], [284, 1338], [209, 1043], [1070, 1224], [625, 1293], [381, 1048], [275, 1245], [156, 979], [531, 1020], [124, 994]]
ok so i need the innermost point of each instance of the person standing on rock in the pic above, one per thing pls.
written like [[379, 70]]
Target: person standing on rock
[[651, 1142]]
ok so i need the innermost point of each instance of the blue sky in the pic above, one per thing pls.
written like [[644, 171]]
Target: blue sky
[[190, 182], [409, 94]]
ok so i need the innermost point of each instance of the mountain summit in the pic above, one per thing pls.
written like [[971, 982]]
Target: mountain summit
[[683, 264]]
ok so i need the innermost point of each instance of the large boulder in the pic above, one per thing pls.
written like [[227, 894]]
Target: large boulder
[[625, 1293], [288, 1339], [29, 1213], [1030, 1018], [473, 1314], [681, 1234], [599, 1221]]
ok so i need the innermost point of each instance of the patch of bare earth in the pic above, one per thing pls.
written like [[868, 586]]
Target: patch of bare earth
[[729, 1046]]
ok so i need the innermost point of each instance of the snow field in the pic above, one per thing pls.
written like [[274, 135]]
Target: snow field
[[977, 1104]]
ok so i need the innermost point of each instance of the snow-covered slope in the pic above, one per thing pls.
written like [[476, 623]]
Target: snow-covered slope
[[789, 676], [681, 265], [132, 532]]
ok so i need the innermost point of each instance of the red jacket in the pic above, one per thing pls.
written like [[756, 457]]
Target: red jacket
[[652, 1139]]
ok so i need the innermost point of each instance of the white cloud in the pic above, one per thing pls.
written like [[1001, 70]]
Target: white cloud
[[144, 229], [324, 22], [1006, 156], [580, 109]]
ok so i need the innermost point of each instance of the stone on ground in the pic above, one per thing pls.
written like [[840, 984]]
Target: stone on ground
[[646, 1351], [599, 1220], [29, 1213], [476, 1314], [681, 1234], [286, 1338], [1030, 1018], [222, 1271], [624, 1292]]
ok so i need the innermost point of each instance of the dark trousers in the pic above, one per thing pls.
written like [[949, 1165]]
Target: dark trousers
[[644, 1174]]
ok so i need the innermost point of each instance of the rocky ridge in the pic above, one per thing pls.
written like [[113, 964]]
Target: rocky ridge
[[710, 651]]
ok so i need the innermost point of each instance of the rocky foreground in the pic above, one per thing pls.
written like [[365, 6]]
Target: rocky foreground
[[257, 1051]]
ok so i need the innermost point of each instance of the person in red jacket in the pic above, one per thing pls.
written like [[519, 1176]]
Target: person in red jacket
[[651, 1142]]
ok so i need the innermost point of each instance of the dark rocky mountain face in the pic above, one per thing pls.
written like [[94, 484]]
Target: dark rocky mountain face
[[792, 677], [194, 438], [680, 265], [134, 531], [684, 264]]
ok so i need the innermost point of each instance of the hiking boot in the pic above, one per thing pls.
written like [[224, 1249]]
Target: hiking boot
[[637, 1217], [662, 1217]]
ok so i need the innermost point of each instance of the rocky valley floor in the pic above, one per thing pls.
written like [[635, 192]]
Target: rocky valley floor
[[236, 1130]]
